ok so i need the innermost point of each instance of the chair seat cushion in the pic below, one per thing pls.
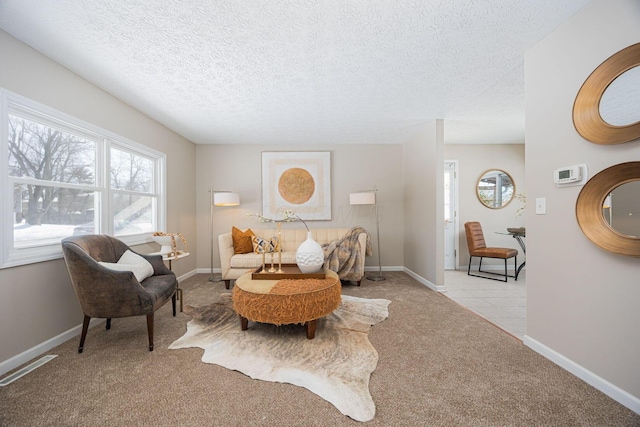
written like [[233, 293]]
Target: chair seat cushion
[[160, 288], [495, 252]]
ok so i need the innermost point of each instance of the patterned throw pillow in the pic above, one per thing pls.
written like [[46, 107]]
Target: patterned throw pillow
[[242, 240], [261, 245]]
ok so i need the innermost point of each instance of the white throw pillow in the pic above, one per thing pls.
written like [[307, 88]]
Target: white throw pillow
[[129, 261]]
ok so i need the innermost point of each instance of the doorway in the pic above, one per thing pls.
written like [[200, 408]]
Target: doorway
[[450, 214]]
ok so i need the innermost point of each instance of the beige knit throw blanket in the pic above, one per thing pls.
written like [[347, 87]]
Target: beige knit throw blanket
[[343, 256]]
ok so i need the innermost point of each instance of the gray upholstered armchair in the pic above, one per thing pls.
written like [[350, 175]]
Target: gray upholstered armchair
[[107, 293]]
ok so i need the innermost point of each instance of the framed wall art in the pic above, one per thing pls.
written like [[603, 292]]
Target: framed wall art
[[299, 181]]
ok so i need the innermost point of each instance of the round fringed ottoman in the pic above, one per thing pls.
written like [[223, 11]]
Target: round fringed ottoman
[[286, 301]]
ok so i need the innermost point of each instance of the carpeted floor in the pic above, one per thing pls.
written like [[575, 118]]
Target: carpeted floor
[[440, 365]]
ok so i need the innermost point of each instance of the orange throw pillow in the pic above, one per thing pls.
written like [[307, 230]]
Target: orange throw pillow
[[242, 243]]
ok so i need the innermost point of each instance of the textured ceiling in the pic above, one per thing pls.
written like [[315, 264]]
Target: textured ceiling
[[301, 71]]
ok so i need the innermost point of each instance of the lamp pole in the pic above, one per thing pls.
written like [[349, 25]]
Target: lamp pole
[[219, 198], [211, 279], [379, 277]]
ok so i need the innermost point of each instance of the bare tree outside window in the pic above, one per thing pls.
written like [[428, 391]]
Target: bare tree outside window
[[130, 172], [52, 156], [55, 158], [64, 177]]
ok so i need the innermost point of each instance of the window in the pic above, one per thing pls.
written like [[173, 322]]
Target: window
[[64, 177]]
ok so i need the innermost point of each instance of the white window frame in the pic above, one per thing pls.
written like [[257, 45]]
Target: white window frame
[[11, 257]]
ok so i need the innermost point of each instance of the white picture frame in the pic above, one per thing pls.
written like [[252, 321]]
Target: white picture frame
[[297, 181]]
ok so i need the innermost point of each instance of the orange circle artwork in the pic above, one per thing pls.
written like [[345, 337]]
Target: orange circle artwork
[[296, 186]]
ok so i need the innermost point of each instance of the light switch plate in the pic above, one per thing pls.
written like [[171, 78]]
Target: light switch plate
[[541, 206]]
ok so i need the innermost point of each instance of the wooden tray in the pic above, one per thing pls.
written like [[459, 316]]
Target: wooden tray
[[290, 271]]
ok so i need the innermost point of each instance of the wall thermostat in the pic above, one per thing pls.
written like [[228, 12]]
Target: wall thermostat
[[570, 175]]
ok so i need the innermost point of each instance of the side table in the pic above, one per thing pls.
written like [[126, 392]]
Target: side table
[[519, 236], [174, 258]]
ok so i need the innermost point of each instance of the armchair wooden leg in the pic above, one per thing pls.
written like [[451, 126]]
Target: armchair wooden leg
[[227, 283], [85, 328], [173, 304], [358, 282], [150, 330], [108, 324]]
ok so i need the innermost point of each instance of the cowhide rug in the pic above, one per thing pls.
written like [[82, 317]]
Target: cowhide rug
[[335, 365]]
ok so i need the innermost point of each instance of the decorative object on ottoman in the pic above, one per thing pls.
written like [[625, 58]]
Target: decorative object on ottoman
[[274, 246], [262, 246], [309, 256]]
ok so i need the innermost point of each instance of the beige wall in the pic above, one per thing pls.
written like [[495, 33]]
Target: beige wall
[[424, 203], [38, 301], [473, 161], [582, 302], [353, 168]]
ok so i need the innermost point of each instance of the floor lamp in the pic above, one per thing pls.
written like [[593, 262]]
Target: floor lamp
[[219, 198], [370, 198]]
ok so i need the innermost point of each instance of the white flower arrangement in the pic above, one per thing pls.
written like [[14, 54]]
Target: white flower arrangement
[[287, 216]]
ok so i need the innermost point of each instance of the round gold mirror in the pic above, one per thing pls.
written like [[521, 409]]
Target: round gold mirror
[[495, 189], [619, 71], [597, 205], [620, 102], [621, 209]]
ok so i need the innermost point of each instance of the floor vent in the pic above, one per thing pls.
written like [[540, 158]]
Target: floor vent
[[24, 371]]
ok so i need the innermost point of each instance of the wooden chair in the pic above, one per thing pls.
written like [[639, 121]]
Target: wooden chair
[[478, 248]]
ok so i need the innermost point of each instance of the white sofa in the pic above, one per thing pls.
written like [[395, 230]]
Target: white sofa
[[235, 265]]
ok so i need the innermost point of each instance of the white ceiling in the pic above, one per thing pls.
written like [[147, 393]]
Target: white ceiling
[[301, 71]]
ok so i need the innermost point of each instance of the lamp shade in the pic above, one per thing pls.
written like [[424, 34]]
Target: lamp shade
[[226, 199], [363, 198]]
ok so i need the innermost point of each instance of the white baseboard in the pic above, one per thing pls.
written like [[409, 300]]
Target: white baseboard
[[33, 352], [42, 348], [373, 269], [424, 281], [208, 270], [614, 392], [187, 275]]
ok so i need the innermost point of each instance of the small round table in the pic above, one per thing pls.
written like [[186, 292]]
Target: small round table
[[286, 301]]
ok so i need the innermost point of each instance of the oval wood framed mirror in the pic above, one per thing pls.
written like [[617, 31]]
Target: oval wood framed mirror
[[590, 212], [586, 108], [495, 189]]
